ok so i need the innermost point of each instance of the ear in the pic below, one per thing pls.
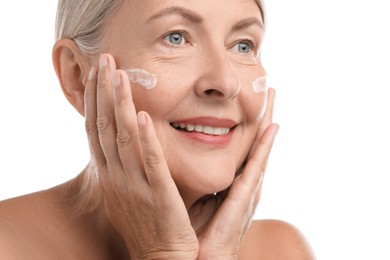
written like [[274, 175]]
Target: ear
[[72, 67]]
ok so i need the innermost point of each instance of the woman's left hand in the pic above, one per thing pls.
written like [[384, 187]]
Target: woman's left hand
[[221, 221]]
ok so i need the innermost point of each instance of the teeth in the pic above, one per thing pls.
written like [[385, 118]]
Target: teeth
[[208, 130], [202, 129], [199, 128], [217, 131], [190, 128]]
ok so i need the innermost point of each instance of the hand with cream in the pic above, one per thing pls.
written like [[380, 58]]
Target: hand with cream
[[141, 198], [179, 124]]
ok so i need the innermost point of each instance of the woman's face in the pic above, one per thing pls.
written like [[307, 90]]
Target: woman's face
[[203, 54]]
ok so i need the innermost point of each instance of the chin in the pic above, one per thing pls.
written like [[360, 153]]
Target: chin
[[202, 167], [205, 179]]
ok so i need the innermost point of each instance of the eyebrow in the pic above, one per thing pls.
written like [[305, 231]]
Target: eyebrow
[[248, 22], [176, 10]]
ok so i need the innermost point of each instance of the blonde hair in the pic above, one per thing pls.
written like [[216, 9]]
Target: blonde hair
[[86, 22]]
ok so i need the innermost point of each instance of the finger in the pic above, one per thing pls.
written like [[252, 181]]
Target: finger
[[127, 138], [269, 111], [254, 202], [241, 197], [97, 155], [245, 186], [258, 194], [257, 163], [156, 168], [267, 119], [105, 120]]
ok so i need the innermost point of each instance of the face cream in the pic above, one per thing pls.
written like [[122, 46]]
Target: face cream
[[142, 77], [259, 85]]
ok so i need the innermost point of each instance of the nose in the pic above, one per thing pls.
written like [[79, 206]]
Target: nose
[[217, 78]]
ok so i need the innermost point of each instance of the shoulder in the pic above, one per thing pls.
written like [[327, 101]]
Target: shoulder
[[45, 225], [21, 210], [275, 239], [24, 225], [12, 222], [10, 245]]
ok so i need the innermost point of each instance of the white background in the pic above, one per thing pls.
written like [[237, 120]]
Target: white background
[[330, 167]]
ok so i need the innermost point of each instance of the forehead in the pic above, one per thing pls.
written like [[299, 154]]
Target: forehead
[[141, 23], [218, 9]]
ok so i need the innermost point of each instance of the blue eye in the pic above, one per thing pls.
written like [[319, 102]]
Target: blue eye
[[244, 47], [175, 38]]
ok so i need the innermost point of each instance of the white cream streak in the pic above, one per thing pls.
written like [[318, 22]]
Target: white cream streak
[[142, 77], [260, 85]]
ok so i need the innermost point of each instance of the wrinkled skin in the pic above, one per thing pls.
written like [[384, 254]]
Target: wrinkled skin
[[154, 195]]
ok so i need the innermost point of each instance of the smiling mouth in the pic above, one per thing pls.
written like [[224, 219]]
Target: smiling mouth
[[204, 129]]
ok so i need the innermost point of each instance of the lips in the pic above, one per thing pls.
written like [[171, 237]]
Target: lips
[[208, 130]]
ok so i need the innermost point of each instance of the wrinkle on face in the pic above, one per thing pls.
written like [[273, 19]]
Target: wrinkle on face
[[207, 61]]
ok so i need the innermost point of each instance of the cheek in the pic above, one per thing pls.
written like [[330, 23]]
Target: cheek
[[156, 102], [172, 75], [253, 96], [165, 97]]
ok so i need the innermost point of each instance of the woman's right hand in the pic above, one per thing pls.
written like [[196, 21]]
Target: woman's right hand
[[141, 199]]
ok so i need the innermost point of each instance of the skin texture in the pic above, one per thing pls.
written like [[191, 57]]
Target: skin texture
[[154, 196], [192, 71]]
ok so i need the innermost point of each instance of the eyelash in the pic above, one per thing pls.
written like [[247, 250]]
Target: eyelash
[[251, 43], [184, 34], [186, 37]]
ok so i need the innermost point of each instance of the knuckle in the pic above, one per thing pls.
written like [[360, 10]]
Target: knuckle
[[90, 125], [89, 92], [152, 163], [103, 83], [267, 146], [147, 140], [102, 124], [123, 138], [119, 101]]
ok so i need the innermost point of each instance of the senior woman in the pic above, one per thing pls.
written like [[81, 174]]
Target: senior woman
[[180, 127]]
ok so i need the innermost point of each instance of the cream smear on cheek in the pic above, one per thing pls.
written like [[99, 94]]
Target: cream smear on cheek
[[259, 86], [144, 78]]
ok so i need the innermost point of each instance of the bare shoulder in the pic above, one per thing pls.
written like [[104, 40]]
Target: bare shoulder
[[274, 239], [10, 245], [26, 225], [44, 225], [13, 220]]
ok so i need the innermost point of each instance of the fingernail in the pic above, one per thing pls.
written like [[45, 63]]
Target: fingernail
[[141, 118], [92, 73], [116, 80], [102, 61]]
